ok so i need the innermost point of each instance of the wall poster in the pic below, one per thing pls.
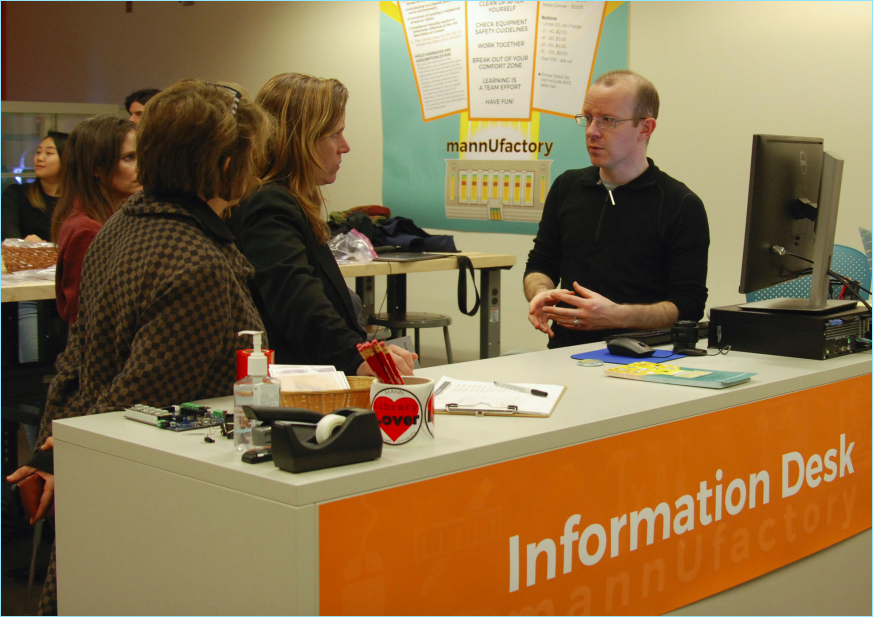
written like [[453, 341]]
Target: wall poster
[[478, 100]]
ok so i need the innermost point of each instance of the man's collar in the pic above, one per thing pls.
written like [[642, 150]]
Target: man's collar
[[647, 178]]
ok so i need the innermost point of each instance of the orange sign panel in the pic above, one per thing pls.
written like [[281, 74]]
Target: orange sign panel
[[642, 522]]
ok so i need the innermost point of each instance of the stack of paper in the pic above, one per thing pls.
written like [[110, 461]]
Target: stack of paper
[[678, 375], [308, 378]]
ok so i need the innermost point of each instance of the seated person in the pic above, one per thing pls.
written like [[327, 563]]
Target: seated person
[[627, 242], [28, 208], [298, 287], [135, 103], [99, 173], [27, 214], [164, 289]]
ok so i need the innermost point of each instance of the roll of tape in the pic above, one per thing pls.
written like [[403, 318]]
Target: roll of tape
[[325, 427]]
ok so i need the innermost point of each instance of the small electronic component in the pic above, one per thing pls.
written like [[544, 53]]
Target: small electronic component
[[148, 415], [184, 417]]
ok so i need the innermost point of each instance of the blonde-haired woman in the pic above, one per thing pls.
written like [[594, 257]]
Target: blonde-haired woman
[[299, 290]]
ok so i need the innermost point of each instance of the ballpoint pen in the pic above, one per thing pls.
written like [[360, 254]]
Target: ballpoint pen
[[510, 386]]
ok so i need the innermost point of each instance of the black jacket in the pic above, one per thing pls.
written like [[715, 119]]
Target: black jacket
[[298, 287], [21, 219], [651, 246]]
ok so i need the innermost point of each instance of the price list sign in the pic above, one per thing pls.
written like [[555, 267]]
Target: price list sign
[[567, 37]]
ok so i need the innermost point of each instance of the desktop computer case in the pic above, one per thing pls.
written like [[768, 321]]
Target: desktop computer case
[[797, 335]]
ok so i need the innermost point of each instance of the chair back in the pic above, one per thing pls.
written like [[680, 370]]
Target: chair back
[[795, 288], [847, 262], [852, 264]]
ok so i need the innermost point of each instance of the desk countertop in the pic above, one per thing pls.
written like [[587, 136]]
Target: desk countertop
[[31, 290], [594, 406], [377, 268]]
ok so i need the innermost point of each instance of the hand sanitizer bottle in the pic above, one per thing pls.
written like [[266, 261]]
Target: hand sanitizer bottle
[[258, 388]]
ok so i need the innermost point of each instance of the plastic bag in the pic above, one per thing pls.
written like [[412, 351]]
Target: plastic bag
[[352, 247]]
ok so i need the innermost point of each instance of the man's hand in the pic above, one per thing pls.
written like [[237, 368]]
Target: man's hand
[[404, 360], [539, 305], [589, 310], [538, 289]]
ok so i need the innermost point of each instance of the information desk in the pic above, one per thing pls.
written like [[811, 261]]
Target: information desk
[[488, 264], [498, 515]]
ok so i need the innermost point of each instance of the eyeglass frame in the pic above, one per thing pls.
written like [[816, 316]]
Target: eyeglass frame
[[598, 121]]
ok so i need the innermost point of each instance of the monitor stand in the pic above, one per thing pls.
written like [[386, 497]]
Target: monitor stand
[[799, 305]]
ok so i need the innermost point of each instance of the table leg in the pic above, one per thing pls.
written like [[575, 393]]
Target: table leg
[[397, 300], [489, 313], [365, 287]]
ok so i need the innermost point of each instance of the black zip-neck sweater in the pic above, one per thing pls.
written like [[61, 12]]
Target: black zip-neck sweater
[[651, 246]]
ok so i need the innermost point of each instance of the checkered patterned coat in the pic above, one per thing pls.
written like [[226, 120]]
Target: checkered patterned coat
[[161, 302]]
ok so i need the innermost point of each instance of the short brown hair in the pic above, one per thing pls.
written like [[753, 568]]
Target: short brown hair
[[88, 163], [306, 109], [647, 104], [189, 131]]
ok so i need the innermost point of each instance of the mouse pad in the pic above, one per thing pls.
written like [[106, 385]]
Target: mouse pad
[[661, 355]]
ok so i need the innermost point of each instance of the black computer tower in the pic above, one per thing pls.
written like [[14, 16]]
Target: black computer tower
[[793, 334]]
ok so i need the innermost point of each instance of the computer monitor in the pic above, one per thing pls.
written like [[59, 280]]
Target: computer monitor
[[794, 194]]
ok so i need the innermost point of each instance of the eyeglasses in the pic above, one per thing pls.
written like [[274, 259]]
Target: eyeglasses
[[606, 122], [236, 97]]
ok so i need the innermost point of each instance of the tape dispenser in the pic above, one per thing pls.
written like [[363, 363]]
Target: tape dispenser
[[306, 440]]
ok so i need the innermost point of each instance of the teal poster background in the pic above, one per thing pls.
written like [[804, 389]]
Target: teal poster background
[[414, 151]]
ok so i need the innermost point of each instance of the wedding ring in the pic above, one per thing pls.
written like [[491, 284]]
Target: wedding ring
[[575, 322]]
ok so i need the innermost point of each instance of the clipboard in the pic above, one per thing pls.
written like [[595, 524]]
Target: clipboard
[[479, 398], [451, 408]]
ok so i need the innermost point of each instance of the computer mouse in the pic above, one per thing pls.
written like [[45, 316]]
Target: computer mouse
[[629, 347]]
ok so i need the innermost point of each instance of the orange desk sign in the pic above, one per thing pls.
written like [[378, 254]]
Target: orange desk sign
[[642, 522]]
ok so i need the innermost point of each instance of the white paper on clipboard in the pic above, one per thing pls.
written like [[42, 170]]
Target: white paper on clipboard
[[487, 398]]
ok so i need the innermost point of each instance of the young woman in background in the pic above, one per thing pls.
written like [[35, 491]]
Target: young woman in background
[[99, 173], [28, 208]]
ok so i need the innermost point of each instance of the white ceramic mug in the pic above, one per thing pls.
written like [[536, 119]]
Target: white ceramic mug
[[405, 412]]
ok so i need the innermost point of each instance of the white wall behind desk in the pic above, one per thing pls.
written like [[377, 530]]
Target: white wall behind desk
[[724, 70]]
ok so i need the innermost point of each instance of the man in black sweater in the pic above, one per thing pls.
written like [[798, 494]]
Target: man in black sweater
[[627, 243]]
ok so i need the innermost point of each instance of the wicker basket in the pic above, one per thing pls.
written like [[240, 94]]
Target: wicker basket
[[17, 258], [327, 401]]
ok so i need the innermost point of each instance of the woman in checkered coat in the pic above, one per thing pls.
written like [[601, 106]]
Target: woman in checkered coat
[[164, 289]]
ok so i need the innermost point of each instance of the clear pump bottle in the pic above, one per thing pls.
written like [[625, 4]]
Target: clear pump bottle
[[258, 388]]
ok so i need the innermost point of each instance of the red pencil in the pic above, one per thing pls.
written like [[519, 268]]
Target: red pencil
[[369, 356], [389, 362]]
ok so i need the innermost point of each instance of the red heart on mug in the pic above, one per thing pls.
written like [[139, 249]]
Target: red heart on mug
[[398, 417]]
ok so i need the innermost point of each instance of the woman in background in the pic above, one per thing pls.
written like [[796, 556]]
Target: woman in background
[[299, 290], [164, 289], [99, 173], [28, 208]]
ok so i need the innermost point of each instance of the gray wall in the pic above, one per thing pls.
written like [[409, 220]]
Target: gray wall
[[725, 70]]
